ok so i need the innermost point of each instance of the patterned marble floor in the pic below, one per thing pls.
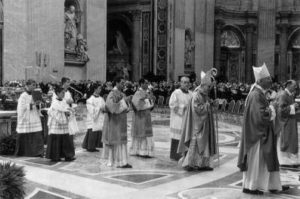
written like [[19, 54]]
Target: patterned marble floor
[[157, 177]]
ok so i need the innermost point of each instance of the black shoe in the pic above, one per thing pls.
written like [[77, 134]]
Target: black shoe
[[189, 168], [70, 159], [52, 160], [284, 188], [93, 150], [205, 169], [145, 156], [253, 192], [289, 166], [127, 166]]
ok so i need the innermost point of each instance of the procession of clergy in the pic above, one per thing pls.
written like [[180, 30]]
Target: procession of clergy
[[269, 134]]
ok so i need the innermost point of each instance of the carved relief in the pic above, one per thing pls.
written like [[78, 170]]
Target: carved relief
[[230, 39]]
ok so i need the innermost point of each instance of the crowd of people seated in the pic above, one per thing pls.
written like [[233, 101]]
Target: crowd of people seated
[[161, 90]]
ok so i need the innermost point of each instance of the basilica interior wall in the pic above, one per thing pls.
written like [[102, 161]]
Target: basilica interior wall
[[96, 39], [14, 39], [33, 40], [193, 36]]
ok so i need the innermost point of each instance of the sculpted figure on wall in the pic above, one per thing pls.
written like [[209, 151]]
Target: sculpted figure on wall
[[82, 48], [188, 50], [75, 45]]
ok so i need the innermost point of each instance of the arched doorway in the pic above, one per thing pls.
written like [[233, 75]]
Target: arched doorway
[[119, 39], [232, 56], [293, 56]]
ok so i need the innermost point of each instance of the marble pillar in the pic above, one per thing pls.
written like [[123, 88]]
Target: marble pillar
[[283, 69], [249, 53], [179, 36], [218, 30], [14, 39], [266, 34], [136, 45], [96, 39], [204, 35]]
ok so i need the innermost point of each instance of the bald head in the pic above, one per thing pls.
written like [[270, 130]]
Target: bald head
[[184, 83]]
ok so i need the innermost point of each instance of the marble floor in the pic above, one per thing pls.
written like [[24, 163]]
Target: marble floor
[[153, 178]]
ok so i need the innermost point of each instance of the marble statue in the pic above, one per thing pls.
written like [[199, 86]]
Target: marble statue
[[70, 29], [189, 47], [82, 48]]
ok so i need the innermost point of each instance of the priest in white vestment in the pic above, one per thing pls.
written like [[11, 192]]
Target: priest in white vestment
[[179, 100]]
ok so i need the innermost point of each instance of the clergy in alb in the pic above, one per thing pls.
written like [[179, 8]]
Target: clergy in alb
[[198, 139], [94, 121], [257, 156], [141, 129], [178, 104], [115, 127], [287, 145], [29, 128]]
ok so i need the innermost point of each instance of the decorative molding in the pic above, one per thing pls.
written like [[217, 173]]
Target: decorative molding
[[136, 15], [146, 44], [161, 35]]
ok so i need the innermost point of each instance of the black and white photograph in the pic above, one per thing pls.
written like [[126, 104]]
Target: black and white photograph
[[149, 99]]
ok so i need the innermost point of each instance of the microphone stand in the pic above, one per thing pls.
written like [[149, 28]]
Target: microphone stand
[[217, 127]]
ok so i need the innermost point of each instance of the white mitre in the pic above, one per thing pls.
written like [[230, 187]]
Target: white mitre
[[261, 72], [202, 74]]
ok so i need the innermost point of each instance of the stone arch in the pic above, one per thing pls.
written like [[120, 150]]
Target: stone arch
[[121, 17], [293, 54], [293, 36], [237, 31], [232, 53]]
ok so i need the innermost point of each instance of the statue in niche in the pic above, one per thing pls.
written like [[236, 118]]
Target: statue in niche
[[188, 49], [82, 48], [70, 29]]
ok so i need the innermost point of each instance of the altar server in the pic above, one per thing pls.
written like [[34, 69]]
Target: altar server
[[29, 128], [59, 144], [95, 117]]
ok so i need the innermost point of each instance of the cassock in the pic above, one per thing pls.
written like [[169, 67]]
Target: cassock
[[115, 129], [178, 104], [257, 155], [95, 117], [287, 145], [141, 129], [198, 139], [59, 144], [29, 128]]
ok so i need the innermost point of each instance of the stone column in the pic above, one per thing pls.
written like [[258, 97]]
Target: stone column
[[136, 47], [266, 33], [283, 69], [218, 30], [249, 52]]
